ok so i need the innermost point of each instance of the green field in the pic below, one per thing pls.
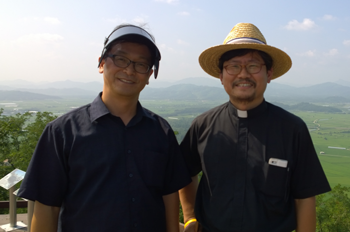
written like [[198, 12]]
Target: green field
[[326, 129], [331, 130]]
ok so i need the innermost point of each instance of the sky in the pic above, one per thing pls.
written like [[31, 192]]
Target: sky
[[43, 40]]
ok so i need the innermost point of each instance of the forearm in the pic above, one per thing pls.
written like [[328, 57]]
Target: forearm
[[188, 198], [171, 203], [45, 218], [306, 214]]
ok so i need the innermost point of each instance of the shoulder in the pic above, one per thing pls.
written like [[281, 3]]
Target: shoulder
[[78, 115], [279, 114], [211, 114], [158, 120]]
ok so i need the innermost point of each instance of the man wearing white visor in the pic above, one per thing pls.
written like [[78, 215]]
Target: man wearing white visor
[[260, 169], [111, 165]]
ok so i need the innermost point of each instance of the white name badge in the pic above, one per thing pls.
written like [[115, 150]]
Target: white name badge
[[278, 162]]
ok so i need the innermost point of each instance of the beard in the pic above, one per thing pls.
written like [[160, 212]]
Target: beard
[[244, 98]]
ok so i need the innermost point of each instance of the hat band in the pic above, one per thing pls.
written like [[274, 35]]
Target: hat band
[[244, 40]]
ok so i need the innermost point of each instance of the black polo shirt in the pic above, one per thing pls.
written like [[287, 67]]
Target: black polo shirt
[[240, 191], [104, 175]]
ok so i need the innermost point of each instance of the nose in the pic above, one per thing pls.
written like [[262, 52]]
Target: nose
[[130, 69], [244, 73]]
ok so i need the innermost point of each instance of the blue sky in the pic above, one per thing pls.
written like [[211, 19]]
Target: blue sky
[[59, 40]]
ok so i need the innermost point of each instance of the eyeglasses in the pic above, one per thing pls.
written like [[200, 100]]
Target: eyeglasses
[[123, 62], [234, 69]]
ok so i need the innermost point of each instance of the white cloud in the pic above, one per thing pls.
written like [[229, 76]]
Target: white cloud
[[168, 1], [116, 20], [139, 20], [185, 13], [328, 17], [308, 53], [166, 48], [39, 38], [181, 42], [332, 52], [307, 24], [346, 42], [53, 21], [28, 20]]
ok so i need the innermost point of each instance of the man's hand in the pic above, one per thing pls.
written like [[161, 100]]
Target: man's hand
[[192, 227], [171, 203], [306, 214], [187, 198], [45, 218]]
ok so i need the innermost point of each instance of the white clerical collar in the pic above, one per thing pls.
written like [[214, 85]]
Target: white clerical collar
[[242, 113]]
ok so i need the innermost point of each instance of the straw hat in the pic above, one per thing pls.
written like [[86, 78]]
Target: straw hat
[[244, 36]]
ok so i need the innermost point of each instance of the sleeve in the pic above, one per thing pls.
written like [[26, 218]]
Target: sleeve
[[177, 175], [309, 178], [46, 179], [189, 149]]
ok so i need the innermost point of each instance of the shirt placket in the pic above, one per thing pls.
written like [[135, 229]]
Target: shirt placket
[[133, 180], [240, 173]]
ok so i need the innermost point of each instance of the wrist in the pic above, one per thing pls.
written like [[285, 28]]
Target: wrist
[[189, 222]]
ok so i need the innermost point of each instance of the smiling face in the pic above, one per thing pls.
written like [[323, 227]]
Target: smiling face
[[246, 90], [125, 82]]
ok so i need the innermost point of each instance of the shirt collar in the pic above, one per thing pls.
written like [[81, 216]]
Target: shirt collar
[[249, 113], [99, 109]]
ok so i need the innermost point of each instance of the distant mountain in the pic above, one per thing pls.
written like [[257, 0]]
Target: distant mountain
[[328, 88], [200, 88], [342, 82], [303, 106], [67, 84], [184, 92], [200, 81], [23, 96], [333, 100], [315, 93], [66, 92], [5, 87]]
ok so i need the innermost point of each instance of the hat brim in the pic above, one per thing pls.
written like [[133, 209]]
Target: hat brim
[[209, 59]]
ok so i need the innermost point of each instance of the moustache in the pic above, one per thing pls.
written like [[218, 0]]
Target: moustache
[[245, 80]]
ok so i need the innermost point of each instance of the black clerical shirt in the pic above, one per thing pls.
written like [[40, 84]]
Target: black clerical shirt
[[254, 163]]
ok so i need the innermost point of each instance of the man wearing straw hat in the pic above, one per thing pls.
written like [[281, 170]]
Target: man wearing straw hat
[[260, 169]]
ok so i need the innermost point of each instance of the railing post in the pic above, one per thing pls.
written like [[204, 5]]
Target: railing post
[[13, 207], [8, 182]]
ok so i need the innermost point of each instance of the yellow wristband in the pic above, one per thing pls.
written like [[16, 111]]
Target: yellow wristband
[[189, 221]]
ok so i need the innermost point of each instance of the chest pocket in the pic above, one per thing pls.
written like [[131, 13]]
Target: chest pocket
[[153, 168], [276, 181]]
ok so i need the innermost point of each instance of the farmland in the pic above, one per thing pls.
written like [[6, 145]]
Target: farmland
[[326, 129]]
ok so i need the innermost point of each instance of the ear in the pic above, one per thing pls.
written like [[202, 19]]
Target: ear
[[221, 77], [269, 75], [149, 75], [100, 68]]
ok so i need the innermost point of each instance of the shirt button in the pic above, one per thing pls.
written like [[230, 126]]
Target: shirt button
[[129, 151], [135, 224], [131, 175], [133, 199]]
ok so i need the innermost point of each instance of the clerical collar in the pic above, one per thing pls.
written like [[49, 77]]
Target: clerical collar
[[247, 113]]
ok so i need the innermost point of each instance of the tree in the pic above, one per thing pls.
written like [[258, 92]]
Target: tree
[[20, 159], [11, 134], [333, 210]]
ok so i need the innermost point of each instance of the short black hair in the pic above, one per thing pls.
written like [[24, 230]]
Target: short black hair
[[241, 52]]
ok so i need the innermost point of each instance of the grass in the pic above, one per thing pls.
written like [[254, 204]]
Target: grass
[[332, 130]]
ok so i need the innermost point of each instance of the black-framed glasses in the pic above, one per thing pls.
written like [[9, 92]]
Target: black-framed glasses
[[123, 62], [252, 68]]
